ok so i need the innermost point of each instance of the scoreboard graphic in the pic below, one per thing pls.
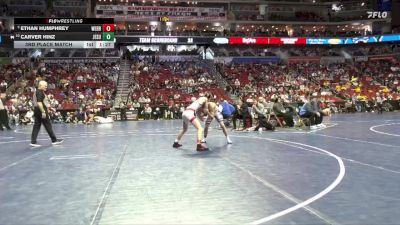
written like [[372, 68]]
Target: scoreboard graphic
[[64, 33]]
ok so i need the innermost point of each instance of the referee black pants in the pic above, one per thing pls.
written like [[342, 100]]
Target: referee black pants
[[4, 119], [47, 125]]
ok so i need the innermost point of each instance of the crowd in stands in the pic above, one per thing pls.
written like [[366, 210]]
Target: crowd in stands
[[92, 53], [43, 8], [309, 51], [354, 83], [68, 13], [168, 83], [76, 92]]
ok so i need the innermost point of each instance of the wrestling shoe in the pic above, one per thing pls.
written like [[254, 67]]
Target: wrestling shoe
[[59, 141], [176, 145], [34, 145], [201, 148]]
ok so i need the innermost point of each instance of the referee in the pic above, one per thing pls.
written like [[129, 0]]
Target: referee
[[41, 115]]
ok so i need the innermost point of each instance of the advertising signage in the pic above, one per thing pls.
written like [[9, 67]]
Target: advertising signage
[[257, 40], [389, 38], [287, 41], [324, 41], [248, 41], [361, 40], [267, 41]]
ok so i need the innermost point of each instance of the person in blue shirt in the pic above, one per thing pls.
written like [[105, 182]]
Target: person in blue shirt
[[310, 110], [227, 109]]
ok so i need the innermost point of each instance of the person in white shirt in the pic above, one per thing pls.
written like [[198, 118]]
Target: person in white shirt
[[147, 100], [147, 112], [3, 85], [135, 104], [142, 100], [28, 118], [379, 103]]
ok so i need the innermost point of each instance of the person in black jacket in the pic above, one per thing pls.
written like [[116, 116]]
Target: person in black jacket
[[246, 114], [122, 108], [41, 115], [280, 111], [316, 105], [3, 113]]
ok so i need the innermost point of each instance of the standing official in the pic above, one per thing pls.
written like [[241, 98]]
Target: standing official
[[41, 115], [3, 113]]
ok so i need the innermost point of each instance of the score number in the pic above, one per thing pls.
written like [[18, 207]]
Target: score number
[[109, 28], [108, 32], [108, 36]]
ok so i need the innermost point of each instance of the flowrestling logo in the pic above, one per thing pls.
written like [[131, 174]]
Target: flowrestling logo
[[376, 14]]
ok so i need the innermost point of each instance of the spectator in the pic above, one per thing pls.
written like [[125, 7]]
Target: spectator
[[307, 111], [147, 112], [280, 111]]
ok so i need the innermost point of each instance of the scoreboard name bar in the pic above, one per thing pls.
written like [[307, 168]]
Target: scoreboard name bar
[[65, 28], [63, 44], [69, 36], [49, 21]]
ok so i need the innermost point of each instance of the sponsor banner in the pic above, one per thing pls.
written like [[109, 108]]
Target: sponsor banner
[[223, 60], [137, 13], [361, 58], [255, 40], [256, 60], [110, 7], [176, 11], [325, 41], [78, 60], [221, 41], [354, 40], [361, 40], [130, 115], [266, 41], [389, 38], [156, 18], [382, 57], [328, 60], [248, 41], [176, 58], [287, 41], [296, 59]]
